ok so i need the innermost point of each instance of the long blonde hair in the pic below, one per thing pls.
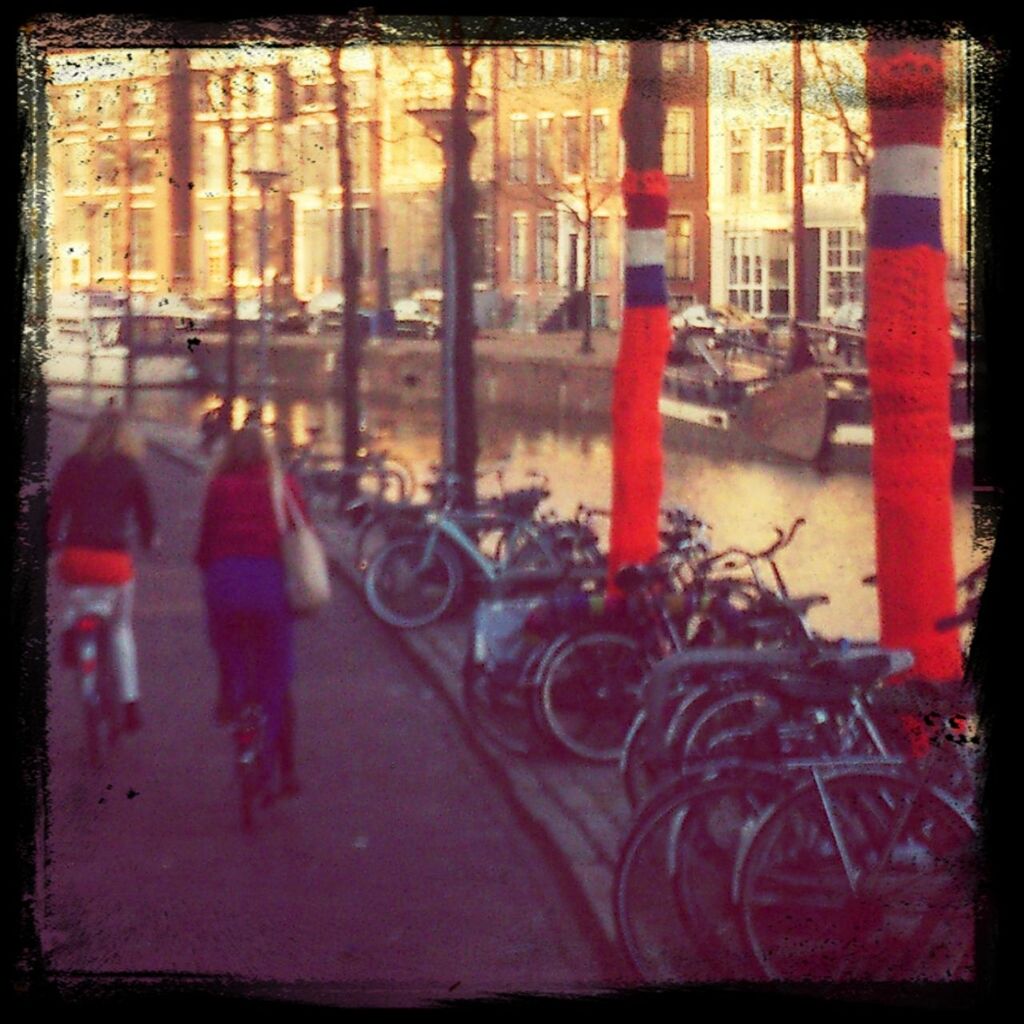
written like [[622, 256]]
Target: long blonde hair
[[243, 448], [109, 433]]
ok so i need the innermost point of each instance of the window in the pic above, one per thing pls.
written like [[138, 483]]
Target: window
[[517, 247], [600, 145], [778, 272], [77, 103], [263, 94], [678, 57], [314, 249], [363, 231], [679, 246], [107, 163], [358, 91], [545, 128], [546, 63], [775, 160], [600, 60], [143, 102], [830, 167], [76, 170], [211, 160], [746, 277], [599, 311], [599, 234], [108, 104], [108, 240], [358, 153], [547, 251], [141, 241], [483, 248], [573, 143], [319, 156], [143, 163], [573, 61], [518, 66], [246, 245], [739, 161], [732, 82], [844, 266], [678, 142], [519, 153]]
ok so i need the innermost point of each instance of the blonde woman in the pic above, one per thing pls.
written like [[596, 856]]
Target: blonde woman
[[247, 612], [98, 490]]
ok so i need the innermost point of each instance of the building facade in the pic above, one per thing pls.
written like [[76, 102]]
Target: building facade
[[150, 149]]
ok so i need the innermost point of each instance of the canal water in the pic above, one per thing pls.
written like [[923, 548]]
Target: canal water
[[742, 499]]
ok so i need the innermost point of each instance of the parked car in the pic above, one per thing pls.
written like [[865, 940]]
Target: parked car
[[325, 311], [413, 320]]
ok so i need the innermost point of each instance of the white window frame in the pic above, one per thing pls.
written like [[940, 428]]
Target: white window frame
[[672, 258], [848, 268], [675, 118], [519, 234]]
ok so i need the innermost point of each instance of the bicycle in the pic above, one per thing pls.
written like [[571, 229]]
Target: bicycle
[[731, 612], [326, 478], [674, 896], [86, 649], [415, 579]]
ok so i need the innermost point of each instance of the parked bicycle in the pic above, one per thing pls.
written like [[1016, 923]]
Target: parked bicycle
[[417, 577], [327, 480]]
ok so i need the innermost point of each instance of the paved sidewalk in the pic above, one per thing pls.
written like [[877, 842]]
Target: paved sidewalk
[[582, 808]]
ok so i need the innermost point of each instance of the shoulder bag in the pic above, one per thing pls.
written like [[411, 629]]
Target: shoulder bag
[[307, 578]]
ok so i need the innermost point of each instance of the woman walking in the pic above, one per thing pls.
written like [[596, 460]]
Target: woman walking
[[248, 616], [98, 490]]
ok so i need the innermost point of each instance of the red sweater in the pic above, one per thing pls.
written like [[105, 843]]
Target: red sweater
[[238, 516]]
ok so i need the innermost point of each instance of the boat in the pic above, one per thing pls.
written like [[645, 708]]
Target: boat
[[730, 386]]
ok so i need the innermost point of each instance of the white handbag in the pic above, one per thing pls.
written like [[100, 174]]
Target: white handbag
[[307, 577]]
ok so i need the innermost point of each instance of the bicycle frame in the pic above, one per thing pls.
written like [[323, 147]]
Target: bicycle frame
[[441, 524]]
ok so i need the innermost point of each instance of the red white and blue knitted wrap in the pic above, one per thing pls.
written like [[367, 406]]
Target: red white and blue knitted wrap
[[636, 419], [909, 355]]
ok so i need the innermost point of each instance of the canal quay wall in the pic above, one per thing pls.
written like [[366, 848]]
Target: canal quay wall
[[545, 373]]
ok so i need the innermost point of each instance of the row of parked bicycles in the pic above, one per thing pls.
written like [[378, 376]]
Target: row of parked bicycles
[[794, 816]]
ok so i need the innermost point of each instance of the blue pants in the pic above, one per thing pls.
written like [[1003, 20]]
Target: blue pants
[[250, 629]]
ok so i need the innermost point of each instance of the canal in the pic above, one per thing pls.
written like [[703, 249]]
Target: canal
[[741, 498]]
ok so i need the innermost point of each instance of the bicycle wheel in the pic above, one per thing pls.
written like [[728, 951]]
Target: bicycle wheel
[[590, 694], [722, 813], [248, 736], [647, 759], [871, 879], [411, 582], [378, 529], [647, 919], [501, 709]]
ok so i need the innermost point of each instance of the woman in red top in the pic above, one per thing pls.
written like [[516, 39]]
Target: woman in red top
[[98, 490], [248, 616]]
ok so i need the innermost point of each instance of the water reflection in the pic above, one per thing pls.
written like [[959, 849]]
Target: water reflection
[[742, 499]]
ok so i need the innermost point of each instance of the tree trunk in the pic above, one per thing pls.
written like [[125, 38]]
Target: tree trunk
[[910, 355], [352, 340], [460, 152], [636, 420]]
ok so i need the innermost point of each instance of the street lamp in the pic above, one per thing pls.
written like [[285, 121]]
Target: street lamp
[[437, 121], [264, 180]]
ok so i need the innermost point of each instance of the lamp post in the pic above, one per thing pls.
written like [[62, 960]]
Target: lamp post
[[263, 179], [438, 123]]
